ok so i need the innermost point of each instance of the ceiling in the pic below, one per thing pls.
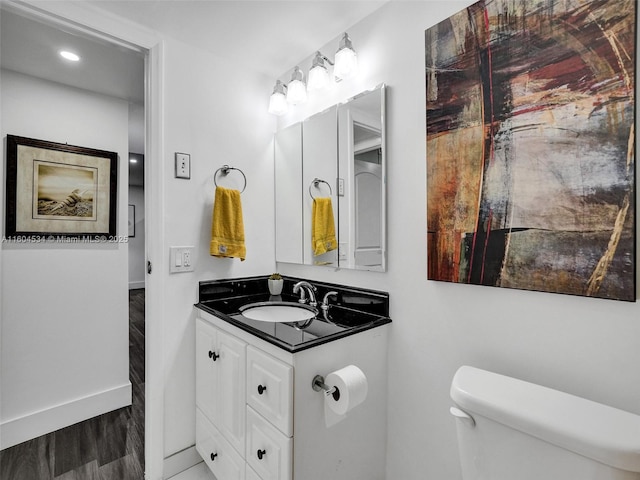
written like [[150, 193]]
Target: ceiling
[[266, 36], [31, 47]]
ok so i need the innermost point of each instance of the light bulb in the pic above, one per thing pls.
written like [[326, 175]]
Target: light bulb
[[297, 90], [69, 56], [277, 101], [318, 75], [318, 78], [346, 60]]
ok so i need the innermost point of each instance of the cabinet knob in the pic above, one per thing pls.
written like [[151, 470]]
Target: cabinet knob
[[213, 355], [262, 389], [261, 453], [213, 456]]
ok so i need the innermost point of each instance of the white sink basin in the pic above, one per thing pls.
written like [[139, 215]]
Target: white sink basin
[[278, 312]]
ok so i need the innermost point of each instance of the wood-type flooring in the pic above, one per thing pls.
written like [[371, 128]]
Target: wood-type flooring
[[107, 447]]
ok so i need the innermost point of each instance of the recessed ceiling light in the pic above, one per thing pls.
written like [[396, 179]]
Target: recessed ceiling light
[[69, 56], [133, 160]]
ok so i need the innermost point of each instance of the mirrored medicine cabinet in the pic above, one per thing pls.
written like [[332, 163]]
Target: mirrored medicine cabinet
[[339, 153]]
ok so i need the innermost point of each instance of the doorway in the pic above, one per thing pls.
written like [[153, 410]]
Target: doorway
[[114, 441]]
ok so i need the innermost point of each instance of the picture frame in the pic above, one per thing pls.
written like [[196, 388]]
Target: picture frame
[[132, 221], [531, 177], [56, 191]]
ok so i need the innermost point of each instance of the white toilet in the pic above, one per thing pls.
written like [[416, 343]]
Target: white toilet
[[514, 430]]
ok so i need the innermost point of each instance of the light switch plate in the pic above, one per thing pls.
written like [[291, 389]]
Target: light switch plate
[[183, 165], [181, 259]]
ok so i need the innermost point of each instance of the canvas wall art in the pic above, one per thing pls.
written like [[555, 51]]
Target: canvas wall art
[[530, 112]]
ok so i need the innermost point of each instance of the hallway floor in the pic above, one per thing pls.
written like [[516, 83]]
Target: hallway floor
[[107, 447]]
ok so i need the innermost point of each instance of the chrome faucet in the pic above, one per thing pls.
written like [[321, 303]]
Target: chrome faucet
[[325, 302], [301, 287]]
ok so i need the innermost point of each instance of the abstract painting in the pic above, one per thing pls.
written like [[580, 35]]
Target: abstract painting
[[530, 109]]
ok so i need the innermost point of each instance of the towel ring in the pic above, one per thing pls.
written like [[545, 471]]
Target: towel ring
[[225, 169], [315, 183]]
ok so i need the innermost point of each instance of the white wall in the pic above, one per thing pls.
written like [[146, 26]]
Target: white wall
[[136, 128], [137, 259], [588, 347], [65, 354], [217, 121]]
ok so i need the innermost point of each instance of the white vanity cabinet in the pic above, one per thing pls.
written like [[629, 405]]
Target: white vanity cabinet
[[260, 418], [232, 427]]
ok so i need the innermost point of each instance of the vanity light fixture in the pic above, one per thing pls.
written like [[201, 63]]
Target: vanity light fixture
[[67, 55], [346, 59], [297, 89], [278, 100], [344, 67]]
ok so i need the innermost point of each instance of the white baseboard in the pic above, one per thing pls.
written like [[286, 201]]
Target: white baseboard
[[181, 461], [54, 418], [136, 285]]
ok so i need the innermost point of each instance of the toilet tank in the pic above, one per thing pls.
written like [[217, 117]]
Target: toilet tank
[[509, 429]]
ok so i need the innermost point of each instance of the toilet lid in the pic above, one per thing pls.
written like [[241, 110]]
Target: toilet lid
[[597, 431]]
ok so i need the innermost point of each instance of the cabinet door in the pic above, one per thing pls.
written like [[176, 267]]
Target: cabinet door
[[230, 412], [207, 356], [270, 389], [218, 454], [251, 474], [221, 381]]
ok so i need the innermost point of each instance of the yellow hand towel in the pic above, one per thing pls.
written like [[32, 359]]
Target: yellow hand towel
[[323, 229], [227, 227]]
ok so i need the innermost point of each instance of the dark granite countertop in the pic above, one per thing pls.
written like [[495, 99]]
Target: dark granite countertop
[[355, 310]]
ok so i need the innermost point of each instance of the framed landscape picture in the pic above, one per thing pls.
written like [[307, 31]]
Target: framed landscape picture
[[57, 190]]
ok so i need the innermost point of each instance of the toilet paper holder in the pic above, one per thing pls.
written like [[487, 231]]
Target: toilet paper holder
[[318, 385]]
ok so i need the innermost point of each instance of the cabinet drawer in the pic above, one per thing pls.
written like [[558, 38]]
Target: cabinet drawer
[[270, 389], [269, 452], [218, 454]]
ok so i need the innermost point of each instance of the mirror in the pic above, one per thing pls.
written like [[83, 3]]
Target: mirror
[[362, 172], [298, 164], [319, 173], [339, 153], [288, 196]]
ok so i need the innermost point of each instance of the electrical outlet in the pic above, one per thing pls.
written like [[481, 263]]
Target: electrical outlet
[[183, 165], [181, 259]]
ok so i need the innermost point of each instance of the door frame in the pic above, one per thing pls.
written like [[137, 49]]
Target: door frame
[[87, 19]]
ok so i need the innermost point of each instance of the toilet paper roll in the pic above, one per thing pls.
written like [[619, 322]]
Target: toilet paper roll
[[352, 388]]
